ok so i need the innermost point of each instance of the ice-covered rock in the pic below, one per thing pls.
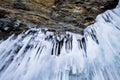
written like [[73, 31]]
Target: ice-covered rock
[[41, 55]]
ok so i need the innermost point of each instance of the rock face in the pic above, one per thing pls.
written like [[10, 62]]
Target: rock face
[[81, 12], [9, 26], [56, 15], [76, 12], [31, 10], [28, 4]]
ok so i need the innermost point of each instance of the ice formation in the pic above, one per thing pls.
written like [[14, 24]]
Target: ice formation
[[41, 55]]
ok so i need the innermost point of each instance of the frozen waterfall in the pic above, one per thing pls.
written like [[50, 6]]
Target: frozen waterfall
[[39, 54]]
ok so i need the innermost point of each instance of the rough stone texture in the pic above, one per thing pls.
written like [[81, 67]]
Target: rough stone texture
[[29, 10], [81, 12], [30, 4], [9, 26], [56, 15], [76, 12]]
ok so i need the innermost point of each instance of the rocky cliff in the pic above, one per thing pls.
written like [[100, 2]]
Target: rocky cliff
[[57, 15], [77, 12], [31, 10]]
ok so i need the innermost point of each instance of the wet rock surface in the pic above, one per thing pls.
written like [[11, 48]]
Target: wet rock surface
[[59, 16]]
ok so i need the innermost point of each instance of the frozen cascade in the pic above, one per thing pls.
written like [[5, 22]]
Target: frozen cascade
[[39, 54]]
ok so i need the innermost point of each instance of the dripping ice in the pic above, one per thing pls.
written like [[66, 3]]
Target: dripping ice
[[39, 54]]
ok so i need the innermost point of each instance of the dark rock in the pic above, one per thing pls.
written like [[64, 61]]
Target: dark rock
[[89, 18], [10, 24], [1, 23], [19, 5], [3, 14], [6, 26], [111, 4]]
